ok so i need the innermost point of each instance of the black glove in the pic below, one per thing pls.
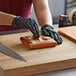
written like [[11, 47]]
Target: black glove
[[27, 23], [48, 30]]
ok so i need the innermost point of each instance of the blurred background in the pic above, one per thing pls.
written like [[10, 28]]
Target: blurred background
[[59, 7]]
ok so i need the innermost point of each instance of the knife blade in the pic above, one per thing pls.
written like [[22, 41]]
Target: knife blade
[[5, 50]]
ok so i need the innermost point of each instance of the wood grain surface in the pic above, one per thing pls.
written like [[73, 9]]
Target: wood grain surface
[[39, 60], [69, 32]]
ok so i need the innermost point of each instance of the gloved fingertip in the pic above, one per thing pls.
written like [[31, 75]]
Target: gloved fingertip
[[37, 36], [60, 42]]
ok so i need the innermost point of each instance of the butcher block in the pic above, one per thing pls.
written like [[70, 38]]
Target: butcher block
[[43, 60], [69, 32]]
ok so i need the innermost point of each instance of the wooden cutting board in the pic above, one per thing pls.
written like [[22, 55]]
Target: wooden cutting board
[[39, 60], [69, 32]]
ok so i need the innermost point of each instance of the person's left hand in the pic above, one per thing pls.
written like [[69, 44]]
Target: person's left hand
[[48, 30]]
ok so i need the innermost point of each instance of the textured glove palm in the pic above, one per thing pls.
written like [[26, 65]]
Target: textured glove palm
[[27, 23], [48, 30]]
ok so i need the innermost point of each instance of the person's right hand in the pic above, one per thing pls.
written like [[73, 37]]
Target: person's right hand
[[27, 23]]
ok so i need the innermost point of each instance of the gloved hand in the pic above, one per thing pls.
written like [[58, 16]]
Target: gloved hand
[[48, 30], [27, 23]]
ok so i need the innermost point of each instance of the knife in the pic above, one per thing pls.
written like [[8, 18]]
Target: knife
[[5, 50]]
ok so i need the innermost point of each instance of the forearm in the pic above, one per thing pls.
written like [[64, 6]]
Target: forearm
[[6, 19], [44, 17], [42, 11]]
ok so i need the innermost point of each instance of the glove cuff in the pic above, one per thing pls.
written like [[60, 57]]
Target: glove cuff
[[15, 20], [47, 25]]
